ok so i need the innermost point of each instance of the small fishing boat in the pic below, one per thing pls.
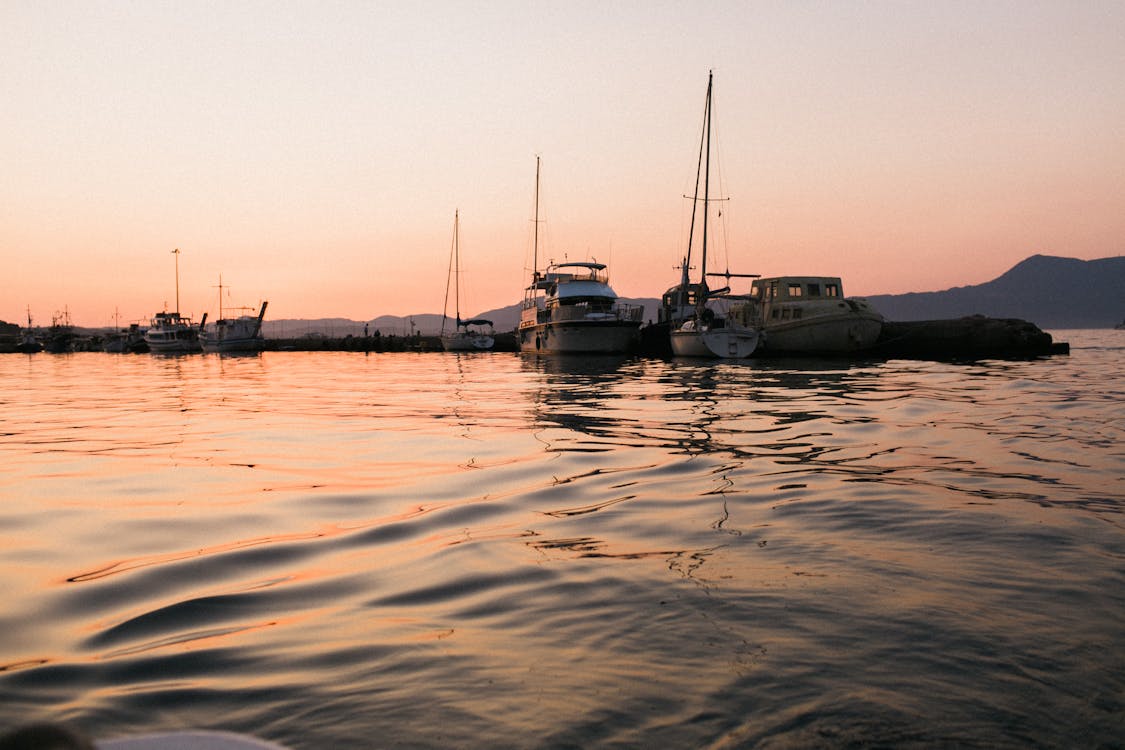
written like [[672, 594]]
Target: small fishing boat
[[474, 335], [810, 315], [240, 334], [699, 328], [29, 342], [571, 308], [170, 332], [60, 337]]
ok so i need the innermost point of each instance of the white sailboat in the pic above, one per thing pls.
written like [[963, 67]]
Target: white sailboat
[[170, 332], [570, 308], [467, 335], [697, 329], [241, 334]]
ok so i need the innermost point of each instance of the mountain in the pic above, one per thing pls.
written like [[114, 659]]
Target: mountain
[[1048, 291]]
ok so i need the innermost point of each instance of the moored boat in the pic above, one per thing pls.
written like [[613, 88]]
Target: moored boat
[[810, 315], [241, 334], [475, 335], [170, 332], [571, 308], [29, 342], [699, 326]]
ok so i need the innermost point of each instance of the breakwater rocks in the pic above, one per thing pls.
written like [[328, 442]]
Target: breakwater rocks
[[973, 337], [505, 342]]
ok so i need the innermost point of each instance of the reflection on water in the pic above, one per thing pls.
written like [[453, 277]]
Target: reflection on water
[[519, 551]]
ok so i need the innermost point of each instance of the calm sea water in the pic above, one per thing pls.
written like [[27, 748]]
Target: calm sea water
[[404, 550]]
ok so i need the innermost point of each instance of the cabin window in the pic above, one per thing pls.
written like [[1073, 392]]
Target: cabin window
[[831, 290], [785, 314], [814, 290], [795, 290], [796, 313], [773, 290], [775, 314]]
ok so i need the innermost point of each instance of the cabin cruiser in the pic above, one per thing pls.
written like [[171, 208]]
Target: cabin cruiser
[[572, 308], [809, 315], [172, 333]]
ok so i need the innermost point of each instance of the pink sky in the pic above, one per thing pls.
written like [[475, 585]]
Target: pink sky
[[313, 154]]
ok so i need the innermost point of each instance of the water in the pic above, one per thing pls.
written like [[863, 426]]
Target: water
[[403, 550]]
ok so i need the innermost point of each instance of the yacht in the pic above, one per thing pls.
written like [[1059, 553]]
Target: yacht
[[571, 308], [170, 332]]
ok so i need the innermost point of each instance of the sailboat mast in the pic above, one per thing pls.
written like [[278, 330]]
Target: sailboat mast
[[535, 251], [176, 252], [448, 276], [706, 179], [456, 266]]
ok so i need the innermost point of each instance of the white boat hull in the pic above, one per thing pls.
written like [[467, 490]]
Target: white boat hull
[[601, 337], [841, 333], [473, 342], [725, 343]]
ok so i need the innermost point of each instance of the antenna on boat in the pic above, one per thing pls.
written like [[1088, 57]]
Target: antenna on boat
[[535, 251], [176, 252], [220, 297]]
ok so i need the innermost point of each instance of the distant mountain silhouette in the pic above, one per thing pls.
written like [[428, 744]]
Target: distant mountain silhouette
[[1048, 291]]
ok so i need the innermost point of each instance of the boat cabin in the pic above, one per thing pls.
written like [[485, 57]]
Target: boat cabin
[[797, 288], [790, 297]]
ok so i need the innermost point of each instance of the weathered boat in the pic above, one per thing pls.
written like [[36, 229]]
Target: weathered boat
[[241, 334], [809, 315]]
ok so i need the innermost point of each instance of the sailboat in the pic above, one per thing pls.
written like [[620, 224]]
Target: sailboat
[[462, 338], [697, 329], [241, 334], [170, 332], [571, 308]]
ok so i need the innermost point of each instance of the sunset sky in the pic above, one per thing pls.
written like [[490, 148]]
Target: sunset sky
[[313, 153]]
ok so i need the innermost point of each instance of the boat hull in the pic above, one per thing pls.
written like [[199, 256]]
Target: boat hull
[[836, 334], [173, 346], [232, 345], [574, 337], [724, 343], [473, 342]]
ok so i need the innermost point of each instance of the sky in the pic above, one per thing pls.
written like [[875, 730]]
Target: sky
[[313, 153]]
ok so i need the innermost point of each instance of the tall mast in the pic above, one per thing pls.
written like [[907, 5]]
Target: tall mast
[[456, 267], [706, 178], [220, 297], [176, 252], [535, 262]]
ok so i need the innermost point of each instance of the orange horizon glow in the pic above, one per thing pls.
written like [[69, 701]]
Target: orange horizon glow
[[314, 157]]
